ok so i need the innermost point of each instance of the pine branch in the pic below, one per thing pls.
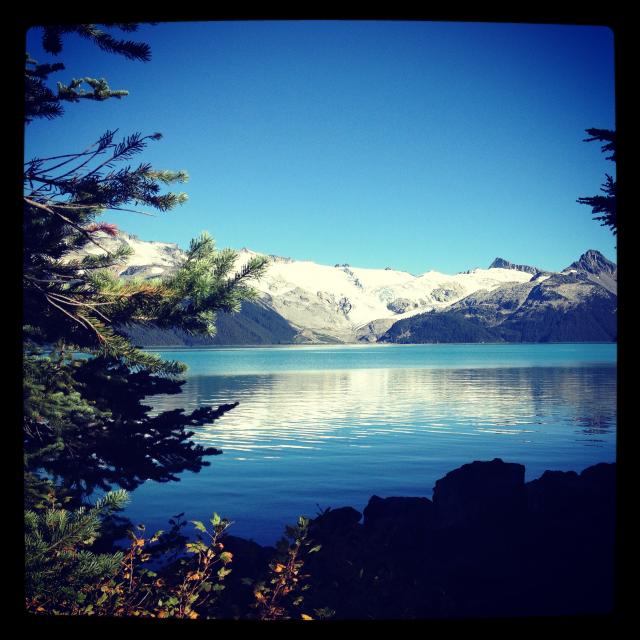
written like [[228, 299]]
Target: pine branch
[[132, 50], [103, 143], [606, 204], [604, 135], [33, 203]]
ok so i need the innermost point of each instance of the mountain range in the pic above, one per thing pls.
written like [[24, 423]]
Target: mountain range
[[305, 302]]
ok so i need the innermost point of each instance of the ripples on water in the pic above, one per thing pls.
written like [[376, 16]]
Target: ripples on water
[[311, 409], [303, 439]]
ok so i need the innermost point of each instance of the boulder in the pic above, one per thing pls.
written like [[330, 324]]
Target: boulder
[[335, 521], [600, 479], [249, 558], [480, 492], [391, 514], [565, 494], [553, 493]]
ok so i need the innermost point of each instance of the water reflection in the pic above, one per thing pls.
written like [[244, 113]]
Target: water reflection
[[317, 409], [335, 437]]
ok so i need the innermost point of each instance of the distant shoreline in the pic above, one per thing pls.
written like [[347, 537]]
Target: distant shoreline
[[216, 347]]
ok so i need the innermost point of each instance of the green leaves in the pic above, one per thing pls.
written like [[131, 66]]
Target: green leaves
[[222, 572], [70, 579], [112, 501], [198, 525]]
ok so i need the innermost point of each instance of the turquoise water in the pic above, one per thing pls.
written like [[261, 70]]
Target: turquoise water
[[327, 426]]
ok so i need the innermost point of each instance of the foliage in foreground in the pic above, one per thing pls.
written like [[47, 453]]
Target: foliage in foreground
[[85, 426], [280, 593], [65, 577]]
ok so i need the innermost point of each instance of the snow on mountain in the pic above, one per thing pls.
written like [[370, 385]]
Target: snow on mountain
[[340, 301], [333, 303], [578, 304], [148, 260]]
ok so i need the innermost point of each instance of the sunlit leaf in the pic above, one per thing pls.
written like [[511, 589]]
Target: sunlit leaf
[[198, 525]]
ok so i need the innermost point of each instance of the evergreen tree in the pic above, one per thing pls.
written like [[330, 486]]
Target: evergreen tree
[[58, 562], [78, 299], [84, 421], [85, 425], [604, 206], [64, 575], [42, 102]]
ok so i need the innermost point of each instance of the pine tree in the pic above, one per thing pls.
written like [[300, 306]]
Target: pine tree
[[85, 425], [604, 206], [58, 562], [84, 421], [42, 102], [79, 299]]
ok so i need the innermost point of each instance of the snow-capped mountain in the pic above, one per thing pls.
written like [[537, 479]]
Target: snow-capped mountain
[[578, 304], [335, 303], [310, 302], [349, 303], [148, 260]]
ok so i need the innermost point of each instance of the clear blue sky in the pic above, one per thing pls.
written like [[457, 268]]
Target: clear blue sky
[[414, 145]]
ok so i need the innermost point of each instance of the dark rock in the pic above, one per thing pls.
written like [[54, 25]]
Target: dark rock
[[553, 492], [595, 263], [441, 294], [249, 558], [390, 514], [565, 495], [344, 305], [400, 305], [336, 521], [501, 263], [475, 551], [545, 292], [600, 478], [480, 491]]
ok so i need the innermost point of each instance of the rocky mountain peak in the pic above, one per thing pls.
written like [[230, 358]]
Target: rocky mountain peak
[[501, 263], [595, 263]]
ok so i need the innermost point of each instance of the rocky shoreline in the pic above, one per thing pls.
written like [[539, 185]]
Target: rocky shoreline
[[487, 545]]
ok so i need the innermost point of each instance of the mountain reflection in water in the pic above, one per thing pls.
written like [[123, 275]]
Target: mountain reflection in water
[[305, 439], [310, 410]]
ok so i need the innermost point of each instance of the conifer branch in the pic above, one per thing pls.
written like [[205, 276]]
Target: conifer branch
[[67, 220], [108, 135], [50, 301]]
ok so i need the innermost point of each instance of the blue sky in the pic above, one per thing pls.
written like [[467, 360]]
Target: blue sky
[[414, 145]]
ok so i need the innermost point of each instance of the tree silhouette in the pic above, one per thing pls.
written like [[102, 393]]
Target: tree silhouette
[[84, 423], [42, 102], [604, 206]]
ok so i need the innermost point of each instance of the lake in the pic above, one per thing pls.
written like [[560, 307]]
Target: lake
[[330, 426]]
